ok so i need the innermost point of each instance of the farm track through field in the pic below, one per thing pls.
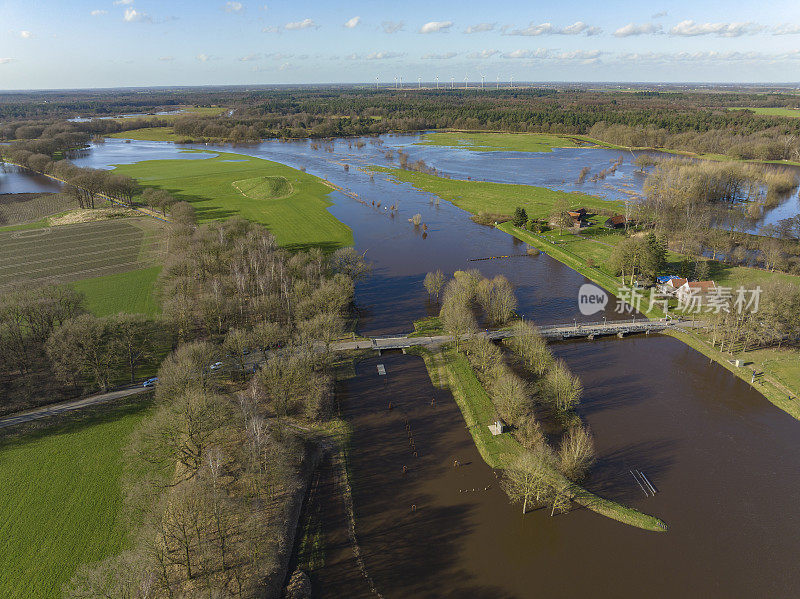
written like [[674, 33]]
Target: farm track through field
[[43, 248], [73, 252]]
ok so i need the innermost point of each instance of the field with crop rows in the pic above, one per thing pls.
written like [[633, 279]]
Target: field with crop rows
[[19, 208], [80, 251]]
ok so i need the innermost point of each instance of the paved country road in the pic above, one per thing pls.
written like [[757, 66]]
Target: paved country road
[[68, 406]]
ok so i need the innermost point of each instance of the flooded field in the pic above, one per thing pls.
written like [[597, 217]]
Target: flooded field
[[723, 459]]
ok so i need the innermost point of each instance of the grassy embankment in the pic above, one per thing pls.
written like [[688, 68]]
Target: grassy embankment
[[589, 252], [450, 369], [61, 502], [299, 219]]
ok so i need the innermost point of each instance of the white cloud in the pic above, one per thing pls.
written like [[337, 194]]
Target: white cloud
[[483, 54], [786, 29], [26, 35], [351, 23], [98, 12], [659, 15], [436, 27], [206, 57], [640, 29], [271, 29], [250, 57], [579, 55], [579, 27], [480, 28], [166, 58], [538, 53], [384, 55], [122, 2], [392, 26], [690, 29], [296, 25], [533, 30], [445, 56], [134, 16], [285, 66], [576, 28], [6, 60], [233, 7]]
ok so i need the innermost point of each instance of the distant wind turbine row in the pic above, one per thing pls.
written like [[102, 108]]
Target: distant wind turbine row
[[398, 82]]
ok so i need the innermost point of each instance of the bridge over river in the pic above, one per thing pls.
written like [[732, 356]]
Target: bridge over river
[[585, 330]]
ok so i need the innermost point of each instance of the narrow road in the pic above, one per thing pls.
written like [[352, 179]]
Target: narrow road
[[559, 331], [69, 406]]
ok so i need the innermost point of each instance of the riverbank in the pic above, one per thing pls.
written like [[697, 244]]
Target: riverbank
[[450, 370], [588, 253], [485, 141], [298, 220]]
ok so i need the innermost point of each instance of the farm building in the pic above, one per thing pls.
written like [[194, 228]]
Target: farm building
[[615, 222]]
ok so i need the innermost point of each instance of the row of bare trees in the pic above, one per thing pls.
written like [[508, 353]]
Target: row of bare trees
[[217, 467], [541, 474]]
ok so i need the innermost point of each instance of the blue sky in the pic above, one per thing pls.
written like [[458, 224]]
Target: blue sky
[[107, 43]]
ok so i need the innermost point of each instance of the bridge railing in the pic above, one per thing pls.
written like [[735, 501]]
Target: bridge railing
[[644, 323]]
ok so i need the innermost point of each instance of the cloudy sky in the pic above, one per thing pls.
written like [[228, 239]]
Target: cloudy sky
[[106, 43]]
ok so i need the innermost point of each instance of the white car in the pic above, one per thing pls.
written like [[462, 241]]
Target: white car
[[216, 366]]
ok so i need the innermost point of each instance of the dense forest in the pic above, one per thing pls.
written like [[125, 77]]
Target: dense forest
[[707, 121]]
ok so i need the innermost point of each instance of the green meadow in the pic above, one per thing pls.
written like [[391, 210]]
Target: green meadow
[[497, 198], [61, 502], [790, 112], [492, 142], [149, 134], [132, 292], [298, 220]]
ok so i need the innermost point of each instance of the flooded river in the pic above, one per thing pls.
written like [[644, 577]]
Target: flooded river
[[723, 459]]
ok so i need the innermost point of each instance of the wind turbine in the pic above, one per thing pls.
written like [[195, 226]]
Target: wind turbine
[[498, 82], [395, 82], [483, 77], [465, 81], [437, 81], [376, 83], [452, 82], [401, 82], [512, 81], [419, 82]]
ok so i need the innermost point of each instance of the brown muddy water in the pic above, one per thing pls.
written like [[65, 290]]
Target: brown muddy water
[[722, 458]]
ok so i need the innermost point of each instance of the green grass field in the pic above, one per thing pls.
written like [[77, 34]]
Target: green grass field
[[299, 220], [264, 188], [492, 142], [60, 505], [790, 112], [132, 292], [149, 134], [72, 252], [497, 198]]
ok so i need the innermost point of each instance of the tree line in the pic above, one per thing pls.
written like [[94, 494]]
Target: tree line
[[541, 474]]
